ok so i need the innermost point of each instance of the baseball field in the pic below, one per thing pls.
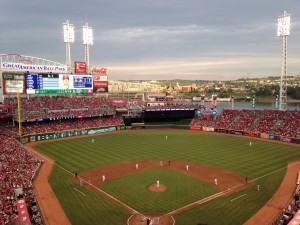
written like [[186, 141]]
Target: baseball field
[[134, 161]]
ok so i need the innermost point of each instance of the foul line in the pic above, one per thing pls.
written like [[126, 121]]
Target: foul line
[[79, 191], [238, 197], [98, 189], [192, 205], [209, 198]]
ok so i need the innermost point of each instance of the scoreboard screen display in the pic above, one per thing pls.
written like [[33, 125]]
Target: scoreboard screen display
[[67, 81], [42, 81], [58, 83]]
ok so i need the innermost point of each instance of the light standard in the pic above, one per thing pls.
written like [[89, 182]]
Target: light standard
[[68, 39], [283, 30], [87, 41]]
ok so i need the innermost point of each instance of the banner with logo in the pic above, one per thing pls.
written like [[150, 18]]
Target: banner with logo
[[118, 101], [99, 71], [13, 84], [100, 84], [22, 211], [80, 68]]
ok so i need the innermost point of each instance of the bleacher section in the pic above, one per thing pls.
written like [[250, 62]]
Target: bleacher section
[[269, 124]]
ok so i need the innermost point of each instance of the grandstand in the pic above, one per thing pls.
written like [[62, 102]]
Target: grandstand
[[267, 124], [31, 117]]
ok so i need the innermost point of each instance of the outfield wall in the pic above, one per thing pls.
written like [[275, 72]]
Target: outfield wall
[[69, 133], [239, 132]]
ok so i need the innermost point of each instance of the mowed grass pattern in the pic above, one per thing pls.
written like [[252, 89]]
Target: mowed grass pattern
[[133, 190], [229, 152]]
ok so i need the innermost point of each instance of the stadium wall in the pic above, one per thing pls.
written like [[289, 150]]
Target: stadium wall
[[70, 133]]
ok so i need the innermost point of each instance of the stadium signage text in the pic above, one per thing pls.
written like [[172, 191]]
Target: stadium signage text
[[26, 67], [98, 70]]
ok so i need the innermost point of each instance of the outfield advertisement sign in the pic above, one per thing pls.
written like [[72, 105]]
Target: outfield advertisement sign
[[70, 133]]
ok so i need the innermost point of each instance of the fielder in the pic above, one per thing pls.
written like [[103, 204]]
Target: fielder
[[103, 178], [216, 181], [136, 166], [187, 167]]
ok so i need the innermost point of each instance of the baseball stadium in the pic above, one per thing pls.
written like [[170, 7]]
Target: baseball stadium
[[72, 153]]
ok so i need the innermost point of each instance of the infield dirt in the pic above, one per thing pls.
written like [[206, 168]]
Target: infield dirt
[[53, 213]]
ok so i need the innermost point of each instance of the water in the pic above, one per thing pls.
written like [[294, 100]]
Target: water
[[248, 105]]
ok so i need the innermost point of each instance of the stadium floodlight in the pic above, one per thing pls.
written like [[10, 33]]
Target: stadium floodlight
[[69, 36], [283, 30], [87, 41], [68, 39], [87, 35], [284, 25]]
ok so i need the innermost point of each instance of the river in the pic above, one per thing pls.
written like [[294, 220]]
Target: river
[[248, 105]]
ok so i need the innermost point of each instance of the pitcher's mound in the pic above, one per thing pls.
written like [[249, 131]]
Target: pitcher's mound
[[154, 187]]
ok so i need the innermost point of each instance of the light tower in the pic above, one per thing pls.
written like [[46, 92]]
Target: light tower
[[68, 39], [283, 30], [87, 41]]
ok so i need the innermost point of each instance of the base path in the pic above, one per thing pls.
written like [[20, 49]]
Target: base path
[[279, 200], [53, 213]]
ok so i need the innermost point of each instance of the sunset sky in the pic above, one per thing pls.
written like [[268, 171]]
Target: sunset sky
[[154, 40]]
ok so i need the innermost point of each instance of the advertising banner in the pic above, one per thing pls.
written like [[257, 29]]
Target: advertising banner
[[99, 71], [70, 133], [80, 68], [208, 129], [22, 211], [13, 84], [7, 66], [100, 84], [118, 101]]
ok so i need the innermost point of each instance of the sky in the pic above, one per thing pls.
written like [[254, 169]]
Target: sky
[[158, 39]]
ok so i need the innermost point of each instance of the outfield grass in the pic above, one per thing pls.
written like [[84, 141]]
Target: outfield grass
[[230, 152]]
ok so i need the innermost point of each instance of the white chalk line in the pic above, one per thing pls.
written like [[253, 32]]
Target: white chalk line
[[238, 197], [199, 202], [209, 198], [98, 189], [79, 191]]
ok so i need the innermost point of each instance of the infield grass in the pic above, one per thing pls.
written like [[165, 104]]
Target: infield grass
[[230, 152], [133, 190]]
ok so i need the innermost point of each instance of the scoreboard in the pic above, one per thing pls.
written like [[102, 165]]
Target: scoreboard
[[42, 81], [58, 83]]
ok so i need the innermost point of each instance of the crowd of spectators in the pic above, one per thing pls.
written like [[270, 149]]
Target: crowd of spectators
[[291, 119], [227, 118], [7, 127], [18, 166], [246, 119], [267, 121], [291, 210], [204, 120], [34, 108], [272, 122], [17, 169]]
